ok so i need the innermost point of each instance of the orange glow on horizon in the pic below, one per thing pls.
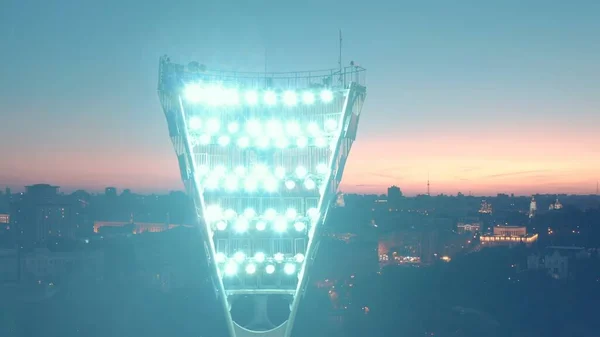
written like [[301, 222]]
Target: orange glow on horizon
[[480, 164]]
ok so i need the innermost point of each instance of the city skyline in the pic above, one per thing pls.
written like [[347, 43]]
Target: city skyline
[[499, 99]]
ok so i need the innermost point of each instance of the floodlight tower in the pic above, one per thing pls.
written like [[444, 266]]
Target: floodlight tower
[[262, 155]]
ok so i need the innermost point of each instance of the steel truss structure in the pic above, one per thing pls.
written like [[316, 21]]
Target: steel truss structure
[[262, 155]]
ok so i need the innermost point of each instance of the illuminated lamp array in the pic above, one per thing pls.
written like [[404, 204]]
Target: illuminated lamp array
[[219, 95], [261, 179], [253, 133], [279, 223], [231, 266]]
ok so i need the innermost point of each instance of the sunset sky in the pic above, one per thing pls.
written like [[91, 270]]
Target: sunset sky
[[484, 96]]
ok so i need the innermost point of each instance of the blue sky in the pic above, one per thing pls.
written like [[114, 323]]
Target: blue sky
[[78, 81]]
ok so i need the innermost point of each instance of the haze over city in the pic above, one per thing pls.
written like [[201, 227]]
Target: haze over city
[[485, 98]]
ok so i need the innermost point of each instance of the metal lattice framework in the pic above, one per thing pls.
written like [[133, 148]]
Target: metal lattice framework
[[262, 155]]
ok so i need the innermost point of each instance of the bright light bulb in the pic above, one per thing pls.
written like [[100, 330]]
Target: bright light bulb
[[212, 126], [204, 139], [281, 143], [313, 128], [291, 213], [290, 184], [270, 214], [260, 170], [299, 257], [259, 257], [231, 96], [193, 93], [292, 129], [253, 128], [280, 225], [320, 142], [214, 95], [326, 96], [289, 98], [278, 257], [301, 172], [330, 125], [250, 269], [202, 170], [195, 123], [249, 213], [312, 213], [243, 142], [233, 127], [250, 185], [270, 269], [301, 142], [299, 226], [251, 97], [322, 169], [229, 214], [220, 170], [289, 268], [240, 171], [280, 172], [212, 182], [261, 226], [308, 97], [270, 98], [220, 257], [239, 257], [274, 128], [309, 184], [241, 225], [221, 225], [223, 140], [271, 184], [231, 183], [262, 142], [212, 213], [231, 268]]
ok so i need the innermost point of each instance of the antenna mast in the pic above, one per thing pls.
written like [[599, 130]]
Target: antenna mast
[[428, 184]]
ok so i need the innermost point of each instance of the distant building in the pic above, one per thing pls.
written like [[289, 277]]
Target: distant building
[[129, 227], [110, 192], [9, 266], [41, 213], [462, 227], [4, 218], [45, 265], [394, 195], [340, 200], [555, 205], [486, 208], [508, 235], [407, 247], [532, 207], [556, 261]]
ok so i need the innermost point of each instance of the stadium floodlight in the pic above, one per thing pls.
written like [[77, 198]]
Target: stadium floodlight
[[259, 257], [308, 97], [270, 98], [262, 156], [299, 226], [326, 96], [231, 268], [289, 98], [220, 257], [251, 269], [251, 97], [289, 268]]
